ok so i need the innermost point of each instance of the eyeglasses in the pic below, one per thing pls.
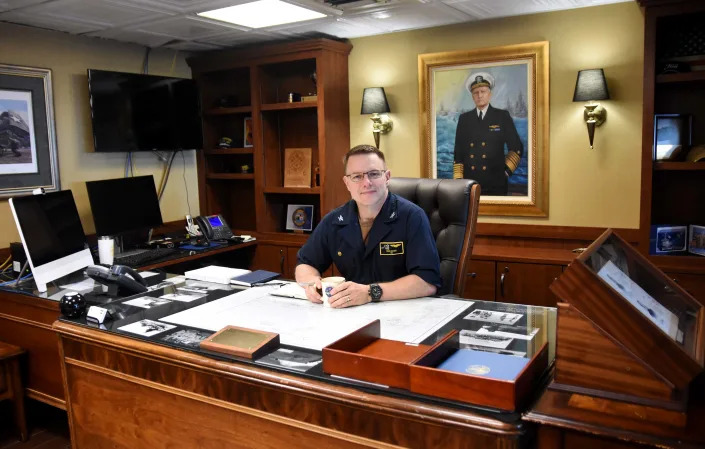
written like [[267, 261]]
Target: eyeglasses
[[371, 175]]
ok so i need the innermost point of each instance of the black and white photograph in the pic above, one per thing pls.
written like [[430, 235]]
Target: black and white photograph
[[492, 331], [146, 302], [495, 350], [197, 287], [146, 328], [293, 359], [671, 239], [182, 297], [191, 338], [468, 337], [492, 316]]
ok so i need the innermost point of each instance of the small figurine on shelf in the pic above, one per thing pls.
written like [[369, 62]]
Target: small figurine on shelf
[[244, 169], [317, 176], [225, 142]]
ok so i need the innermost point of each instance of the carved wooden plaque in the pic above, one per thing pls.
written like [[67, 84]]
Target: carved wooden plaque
[[297, 167]]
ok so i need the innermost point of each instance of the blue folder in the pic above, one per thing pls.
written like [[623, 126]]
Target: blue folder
[[486, 364]]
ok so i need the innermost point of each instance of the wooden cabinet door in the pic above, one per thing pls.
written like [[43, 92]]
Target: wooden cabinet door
[[271, 258], [479, 282], [693, 283], [526, 283]]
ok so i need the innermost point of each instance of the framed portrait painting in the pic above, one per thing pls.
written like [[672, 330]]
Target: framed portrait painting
[[28, 158], [484, 116]]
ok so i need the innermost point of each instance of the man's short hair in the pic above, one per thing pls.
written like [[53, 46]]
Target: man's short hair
[[362, 149]]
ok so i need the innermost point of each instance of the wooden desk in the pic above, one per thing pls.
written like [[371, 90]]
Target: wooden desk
[[26, 319], [126, 393], [573, 421]]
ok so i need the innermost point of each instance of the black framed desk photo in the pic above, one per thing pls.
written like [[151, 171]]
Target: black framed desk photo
[[147, 373]]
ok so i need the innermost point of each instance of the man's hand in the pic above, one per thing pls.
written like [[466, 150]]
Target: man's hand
[[349, 294], [312, 291]]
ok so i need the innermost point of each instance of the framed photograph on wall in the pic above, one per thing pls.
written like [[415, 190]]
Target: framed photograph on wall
[[28, 158], [247, 139], [672, 135], [484, 116], [299, 217]]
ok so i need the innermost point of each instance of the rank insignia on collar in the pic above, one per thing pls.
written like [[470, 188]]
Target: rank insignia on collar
[[391, 248], [340, 218], [392, 215]]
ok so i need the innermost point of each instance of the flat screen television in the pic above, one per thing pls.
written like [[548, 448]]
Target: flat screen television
[[136, 112]]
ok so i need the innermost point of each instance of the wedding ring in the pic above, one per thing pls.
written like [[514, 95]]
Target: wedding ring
[[347, 300]]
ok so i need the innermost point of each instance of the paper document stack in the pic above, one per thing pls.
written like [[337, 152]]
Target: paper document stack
[[214, 273]]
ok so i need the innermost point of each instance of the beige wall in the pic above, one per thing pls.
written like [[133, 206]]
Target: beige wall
[[68, 57], [599, 187]]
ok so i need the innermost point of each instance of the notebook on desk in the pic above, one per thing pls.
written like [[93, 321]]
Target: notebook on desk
[[253, 278]]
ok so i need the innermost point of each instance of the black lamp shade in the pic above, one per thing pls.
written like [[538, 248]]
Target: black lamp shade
[[591, 85], [374, 100]]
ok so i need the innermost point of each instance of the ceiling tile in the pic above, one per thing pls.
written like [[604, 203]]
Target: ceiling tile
[[136, 37], [185, 28], [51, 23], [7, 5], [191, 46], [103, 13]]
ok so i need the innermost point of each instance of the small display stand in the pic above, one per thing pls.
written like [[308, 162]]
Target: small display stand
[[626, 332]]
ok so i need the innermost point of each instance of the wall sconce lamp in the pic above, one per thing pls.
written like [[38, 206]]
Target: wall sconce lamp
[[590, 86], [374, 102]]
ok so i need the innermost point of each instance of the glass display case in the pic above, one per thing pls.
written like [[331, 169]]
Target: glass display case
[[626, 330]]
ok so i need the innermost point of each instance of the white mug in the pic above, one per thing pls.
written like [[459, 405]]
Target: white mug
[[106, 250], [328, 284]]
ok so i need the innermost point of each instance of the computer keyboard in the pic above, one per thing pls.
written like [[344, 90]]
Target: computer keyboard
[[143, 258]]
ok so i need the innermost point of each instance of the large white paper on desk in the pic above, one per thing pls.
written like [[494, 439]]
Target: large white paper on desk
[[307, 325]]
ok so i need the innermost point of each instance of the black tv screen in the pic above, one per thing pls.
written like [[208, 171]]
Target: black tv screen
[[135, 112]]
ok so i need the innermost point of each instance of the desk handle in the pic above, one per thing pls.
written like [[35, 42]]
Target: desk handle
[[501, 281], [281, 260]]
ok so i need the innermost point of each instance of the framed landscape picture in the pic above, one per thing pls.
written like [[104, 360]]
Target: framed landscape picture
[[28, 158]]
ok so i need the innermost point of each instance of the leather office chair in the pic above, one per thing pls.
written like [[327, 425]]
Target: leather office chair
[[451, 206]]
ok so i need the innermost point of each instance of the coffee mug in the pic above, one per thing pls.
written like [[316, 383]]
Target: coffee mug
[[328, 284]]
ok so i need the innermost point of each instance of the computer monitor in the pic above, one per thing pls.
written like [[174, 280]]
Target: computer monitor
[[124, 205], [51, 234]]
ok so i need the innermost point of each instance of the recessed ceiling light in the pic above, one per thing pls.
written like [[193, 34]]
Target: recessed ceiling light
[[262, 13]]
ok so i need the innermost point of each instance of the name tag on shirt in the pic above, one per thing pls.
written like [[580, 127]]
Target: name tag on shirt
[[391, 248]]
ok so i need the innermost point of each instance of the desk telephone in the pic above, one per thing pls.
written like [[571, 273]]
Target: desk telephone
[[214, 227]]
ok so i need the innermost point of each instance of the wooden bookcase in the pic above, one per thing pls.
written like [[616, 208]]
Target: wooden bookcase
[[673, 192], [255, 83]]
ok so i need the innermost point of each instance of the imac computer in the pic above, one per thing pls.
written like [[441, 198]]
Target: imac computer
[[126, 208], [51, 234]]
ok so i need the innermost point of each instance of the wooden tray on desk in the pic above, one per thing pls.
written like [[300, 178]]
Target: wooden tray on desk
[[426, 379], [241, 342], [363, 355]]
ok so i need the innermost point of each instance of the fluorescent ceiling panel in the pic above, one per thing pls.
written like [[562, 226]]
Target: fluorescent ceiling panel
[[262, 13]]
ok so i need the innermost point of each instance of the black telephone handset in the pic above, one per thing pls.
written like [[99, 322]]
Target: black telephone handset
[[214, 227], [120, 275]]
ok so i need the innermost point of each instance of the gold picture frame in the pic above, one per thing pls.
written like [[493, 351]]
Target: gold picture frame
[[518, 75]]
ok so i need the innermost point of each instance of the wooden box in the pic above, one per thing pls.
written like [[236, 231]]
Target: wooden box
[[626, 331], [365, 356], [510, 395]]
